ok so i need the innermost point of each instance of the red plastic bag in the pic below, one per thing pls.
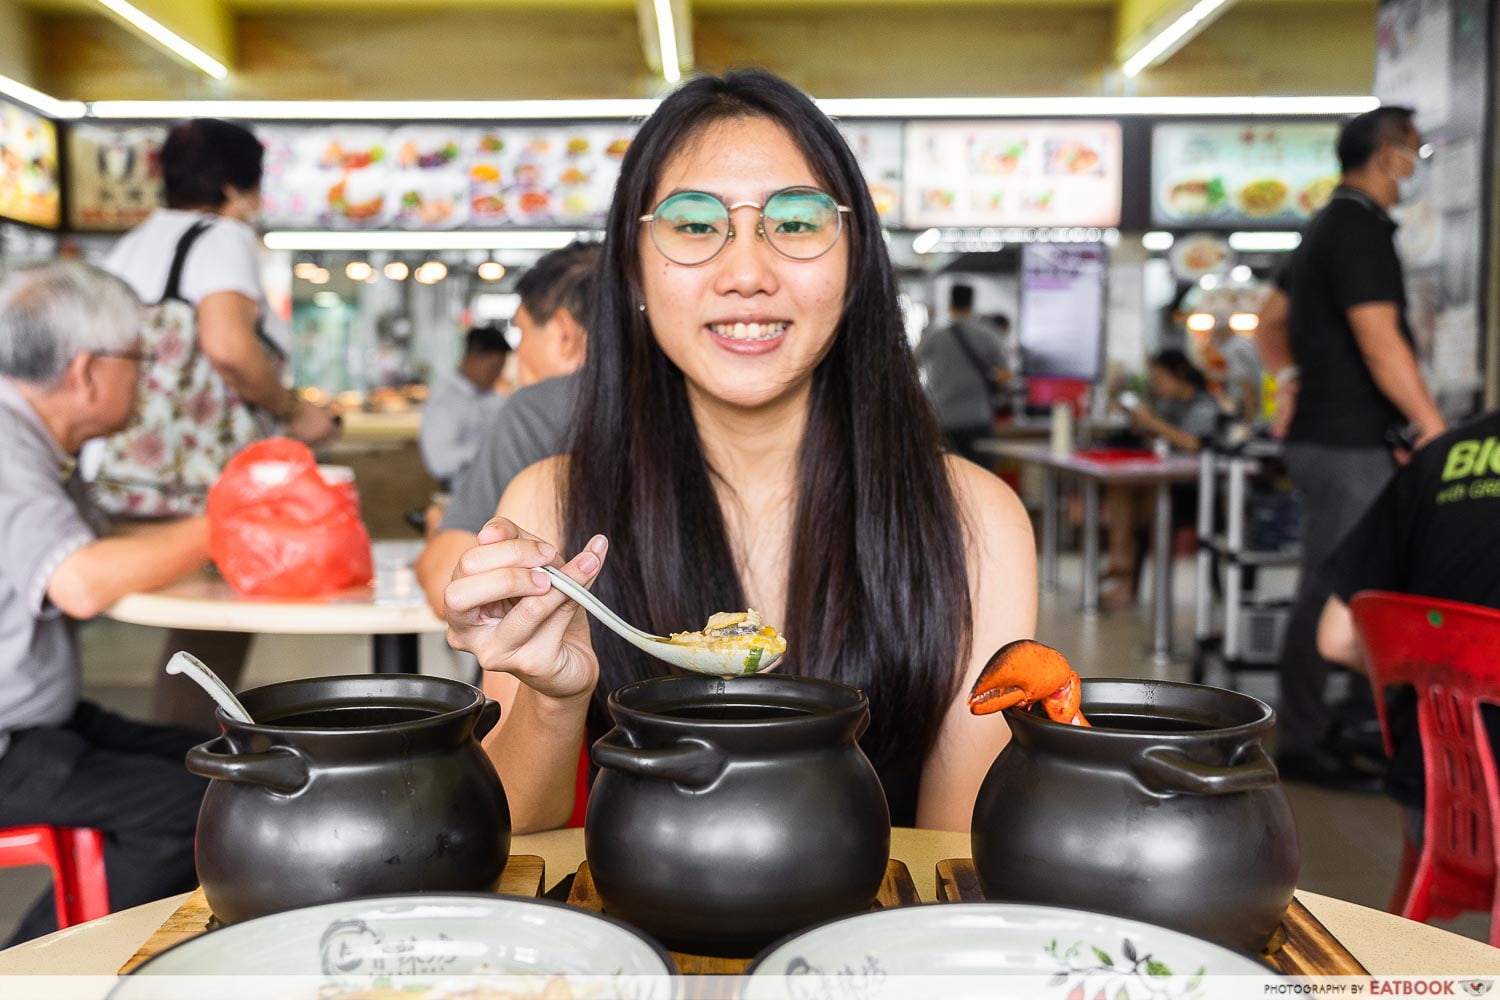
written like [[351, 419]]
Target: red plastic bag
[[276, 529]]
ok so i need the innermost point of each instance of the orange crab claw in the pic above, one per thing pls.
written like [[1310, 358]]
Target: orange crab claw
[[1024, 672]]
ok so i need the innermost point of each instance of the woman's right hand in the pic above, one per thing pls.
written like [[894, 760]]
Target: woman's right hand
[[508, 614]]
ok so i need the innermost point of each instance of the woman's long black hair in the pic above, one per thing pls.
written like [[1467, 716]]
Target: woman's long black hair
[[877, 593]]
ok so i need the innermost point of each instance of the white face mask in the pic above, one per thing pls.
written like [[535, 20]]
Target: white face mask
[[1411, 187]]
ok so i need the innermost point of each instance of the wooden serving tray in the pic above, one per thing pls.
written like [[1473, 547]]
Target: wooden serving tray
[[522, 877], [897, 890], [1301, 946]]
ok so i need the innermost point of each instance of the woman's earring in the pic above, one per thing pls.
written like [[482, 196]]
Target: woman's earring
[[642, 307]]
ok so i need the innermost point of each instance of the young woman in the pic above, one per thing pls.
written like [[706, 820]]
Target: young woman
[[752, 433]]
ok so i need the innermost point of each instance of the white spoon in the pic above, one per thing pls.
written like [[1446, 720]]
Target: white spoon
[[694, 658], [197, 671]]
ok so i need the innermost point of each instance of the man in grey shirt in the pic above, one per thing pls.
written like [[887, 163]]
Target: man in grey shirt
[[556, 297], [963, 365], [531, 428], [70, 356]]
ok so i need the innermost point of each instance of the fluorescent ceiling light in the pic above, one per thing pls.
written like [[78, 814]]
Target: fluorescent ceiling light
[[1171, 37], [373, 110], [518, 239], [167, 38], [1251, 242], [666, 33], [46, 104], [885, 107]]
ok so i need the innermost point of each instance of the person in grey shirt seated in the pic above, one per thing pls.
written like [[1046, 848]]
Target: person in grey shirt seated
[[964, 368], [557, 294], [1183, 415], [460, 404], [70, 356]]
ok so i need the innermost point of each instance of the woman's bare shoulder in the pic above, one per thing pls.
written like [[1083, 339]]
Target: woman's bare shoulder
[[986, 502], [533, 500]]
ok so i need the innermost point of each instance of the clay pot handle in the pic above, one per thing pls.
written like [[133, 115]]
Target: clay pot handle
[[691, 762], [1167, 771], [281, 769], [489, 718]]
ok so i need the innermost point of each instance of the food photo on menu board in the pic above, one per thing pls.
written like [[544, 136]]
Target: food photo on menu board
[[114, 175], [441, 177], [30, 186], [1012, 174], [1245, 174], [877, 147]]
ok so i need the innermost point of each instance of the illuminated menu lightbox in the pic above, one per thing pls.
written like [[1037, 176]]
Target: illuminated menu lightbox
[[1236, 175], [30, 188], [1022, 173]]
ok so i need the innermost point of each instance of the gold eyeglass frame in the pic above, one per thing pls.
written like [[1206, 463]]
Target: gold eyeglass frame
[[760, 223]]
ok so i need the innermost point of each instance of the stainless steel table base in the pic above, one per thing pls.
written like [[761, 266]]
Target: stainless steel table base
[[1161, 605], [1050, 502], [1090, 547]]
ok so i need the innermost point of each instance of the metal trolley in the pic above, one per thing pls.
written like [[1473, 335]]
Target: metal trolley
[[1235, 627]]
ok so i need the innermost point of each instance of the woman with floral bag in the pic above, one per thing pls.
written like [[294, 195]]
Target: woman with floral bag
[[212, 382]]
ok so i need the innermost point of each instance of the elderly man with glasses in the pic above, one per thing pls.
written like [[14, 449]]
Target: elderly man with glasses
[[69, 363]]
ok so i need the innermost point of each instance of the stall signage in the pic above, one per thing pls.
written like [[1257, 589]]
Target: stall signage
[[30, 188], [114, 175], [1239, 175], [1021, 173]]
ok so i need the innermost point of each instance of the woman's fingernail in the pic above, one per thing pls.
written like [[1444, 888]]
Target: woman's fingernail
[[540, 579], [598, 544], [588, 562], [547, 551]]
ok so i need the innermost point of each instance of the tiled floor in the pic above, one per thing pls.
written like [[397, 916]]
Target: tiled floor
[[1350, 843]]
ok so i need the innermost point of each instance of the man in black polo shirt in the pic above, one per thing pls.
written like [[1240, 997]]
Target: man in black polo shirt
[[1434, 532], [1361, 396]]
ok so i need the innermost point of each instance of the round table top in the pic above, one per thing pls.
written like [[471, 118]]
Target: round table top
[[1385, 944], [205, 602]]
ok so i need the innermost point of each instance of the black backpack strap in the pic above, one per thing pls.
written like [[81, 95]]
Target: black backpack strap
[[979, 366], [174, 276]]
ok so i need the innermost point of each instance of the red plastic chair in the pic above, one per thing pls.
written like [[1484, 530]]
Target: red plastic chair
[[1450, 654], [76, 858]]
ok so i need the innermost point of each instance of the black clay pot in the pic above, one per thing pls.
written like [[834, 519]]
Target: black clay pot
[[350, 786], [729, 813], [1167, 811]]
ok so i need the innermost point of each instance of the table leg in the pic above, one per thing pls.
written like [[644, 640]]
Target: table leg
[[1049, 529], [1161, 591], [1090, 547], [396, 654]]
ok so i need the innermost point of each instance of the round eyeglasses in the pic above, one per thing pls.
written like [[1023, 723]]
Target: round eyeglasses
[[800, 223]]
